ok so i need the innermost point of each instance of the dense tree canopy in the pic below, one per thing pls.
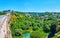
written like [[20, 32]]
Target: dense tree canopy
[[31, 22]]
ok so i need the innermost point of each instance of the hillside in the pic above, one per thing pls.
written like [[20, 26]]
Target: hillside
[[34, 25]]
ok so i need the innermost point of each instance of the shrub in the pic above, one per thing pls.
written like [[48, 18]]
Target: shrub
[[35, 35]]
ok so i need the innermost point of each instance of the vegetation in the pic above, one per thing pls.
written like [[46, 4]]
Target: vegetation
[[2, 13], [40, 25]]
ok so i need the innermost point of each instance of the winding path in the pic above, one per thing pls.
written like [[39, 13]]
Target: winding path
[[4, 26]]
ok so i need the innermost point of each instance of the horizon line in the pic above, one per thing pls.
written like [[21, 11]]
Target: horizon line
[[29, 11]]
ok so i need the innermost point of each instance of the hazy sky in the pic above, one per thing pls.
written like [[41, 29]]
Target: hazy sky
[[30, 5]]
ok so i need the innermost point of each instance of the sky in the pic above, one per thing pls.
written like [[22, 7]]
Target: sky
[[31, 5]]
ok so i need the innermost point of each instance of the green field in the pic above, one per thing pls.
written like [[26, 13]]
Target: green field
[[34, 25]]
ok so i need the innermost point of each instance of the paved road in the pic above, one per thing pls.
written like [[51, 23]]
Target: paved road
[[4, 26], [2, 17]]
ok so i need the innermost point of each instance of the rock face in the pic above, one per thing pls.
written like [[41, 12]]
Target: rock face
[[4, 27]]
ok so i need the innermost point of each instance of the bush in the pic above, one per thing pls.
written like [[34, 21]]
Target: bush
[[45, 29], [35, 35], [17, 34], [24, 27], [38, 24], [35, 28]]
